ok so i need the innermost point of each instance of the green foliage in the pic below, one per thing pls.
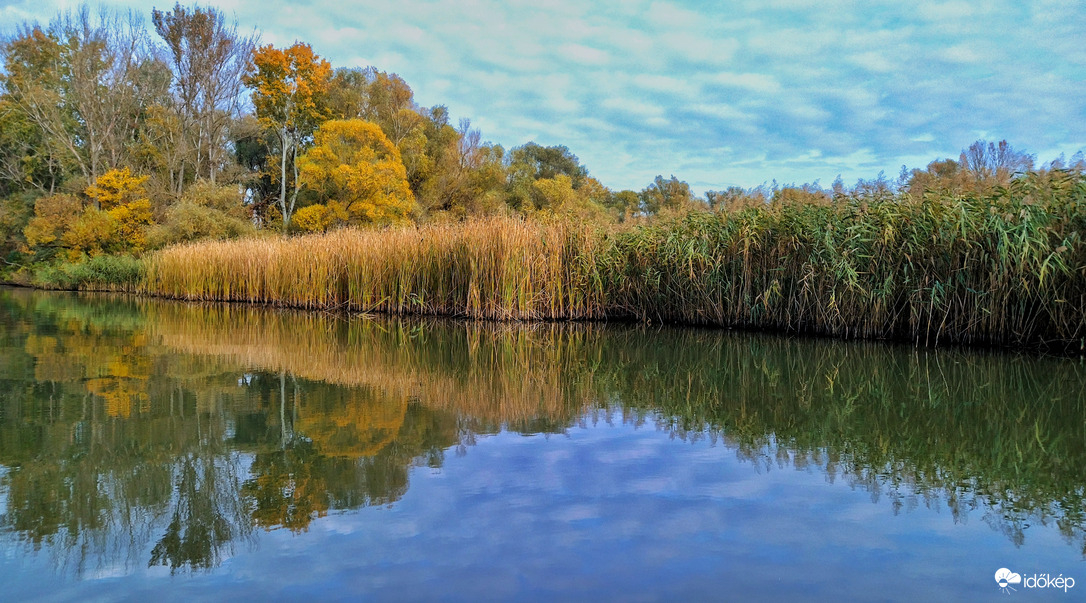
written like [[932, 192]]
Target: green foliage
[[666, 195], [205, 212], [102, 272], [187, 222], [735, 198], [531, 162], [999, 269]]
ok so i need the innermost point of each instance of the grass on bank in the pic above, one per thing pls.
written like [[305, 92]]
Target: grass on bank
[[1006, 268], [98, 273]]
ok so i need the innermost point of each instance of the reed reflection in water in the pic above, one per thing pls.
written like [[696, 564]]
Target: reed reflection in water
[[138, 433]]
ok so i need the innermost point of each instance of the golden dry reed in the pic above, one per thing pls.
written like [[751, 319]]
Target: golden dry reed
[[493, 269]]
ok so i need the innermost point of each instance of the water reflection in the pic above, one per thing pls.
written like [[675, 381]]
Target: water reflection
[[139, 433]]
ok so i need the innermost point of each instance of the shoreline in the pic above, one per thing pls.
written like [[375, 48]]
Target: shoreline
[[1003, 271], [1036, 350]]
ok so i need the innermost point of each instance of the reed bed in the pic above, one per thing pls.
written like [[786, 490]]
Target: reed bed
[[492, 269], [1005, 268]]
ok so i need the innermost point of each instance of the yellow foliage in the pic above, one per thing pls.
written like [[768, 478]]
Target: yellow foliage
[[288, 86], [116, 187], [557, 192], [353, 163], [93, 233], [52, 216], [119, 394], [62, 220], [319, 217], [132, 222], [362, 428], [225, 199], [558, 198]]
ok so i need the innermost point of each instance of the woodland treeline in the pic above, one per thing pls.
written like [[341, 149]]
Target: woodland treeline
[[116, 137]]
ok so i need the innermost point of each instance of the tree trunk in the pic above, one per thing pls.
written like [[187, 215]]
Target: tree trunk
[[283, 180]]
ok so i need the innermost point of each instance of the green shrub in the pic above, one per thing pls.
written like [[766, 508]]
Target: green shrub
[[188, 221], [103, 272]]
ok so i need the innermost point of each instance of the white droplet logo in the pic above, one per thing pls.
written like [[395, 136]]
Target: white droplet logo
[[1005, 578]]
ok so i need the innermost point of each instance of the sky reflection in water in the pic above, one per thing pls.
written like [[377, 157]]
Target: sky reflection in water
[[239, 452]]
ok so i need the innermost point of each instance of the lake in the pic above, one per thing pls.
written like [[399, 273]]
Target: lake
[[166, 451]]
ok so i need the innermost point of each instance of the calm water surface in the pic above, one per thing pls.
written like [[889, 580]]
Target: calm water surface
[[180, 452]]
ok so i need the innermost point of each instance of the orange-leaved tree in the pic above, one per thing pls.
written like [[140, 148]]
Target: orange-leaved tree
[[357, 173], [289, 86]]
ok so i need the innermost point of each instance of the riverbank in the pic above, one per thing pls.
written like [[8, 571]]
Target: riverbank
[[1005, 269]]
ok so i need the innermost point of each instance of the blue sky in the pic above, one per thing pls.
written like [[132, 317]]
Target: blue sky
[[716, 93]]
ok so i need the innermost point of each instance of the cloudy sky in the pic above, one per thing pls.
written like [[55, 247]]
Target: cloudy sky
[[716, 93]]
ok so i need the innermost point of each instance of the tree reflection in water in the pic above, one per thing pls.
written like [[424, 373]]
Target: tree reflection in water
[[149, 433]]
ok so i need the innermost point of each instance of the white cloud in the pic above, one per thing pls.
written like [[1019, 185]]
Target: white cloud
[[962, 53], [633, 107], [757, 82], [720, 111], [586, 55]]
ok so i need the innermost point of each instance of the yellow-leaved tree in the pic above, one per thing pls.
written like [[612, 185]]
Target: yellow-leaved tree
[[116, 222], [289, 86], [358, 176], [120, 193]]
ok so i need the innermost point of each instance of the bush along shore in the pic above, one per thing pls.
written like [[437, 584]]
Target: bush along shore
[[1005, 268]]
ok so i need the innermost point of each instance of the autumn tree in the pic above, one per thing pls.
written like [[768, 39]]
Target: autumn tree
[[208, 58], [530, 162], [121, 194], [289, 87], [736, 198], [441, 160], [53, 215], [943, 175], [623, 205], [116, 221], [83, 83], [806, 194], [666, 194], [26, 160], [376, 96], [357, 174], [979, 168], [994, 163], [463, 175], [205, 211]]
